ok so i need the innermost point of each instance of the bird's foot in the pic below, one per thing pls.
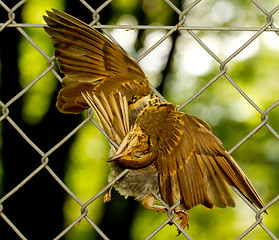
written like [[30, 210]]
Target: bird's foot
[[107, 196], [184, 217]]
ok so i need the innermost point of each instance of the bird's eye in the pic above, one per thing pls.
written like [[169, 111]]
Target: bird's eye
[[138, 154]]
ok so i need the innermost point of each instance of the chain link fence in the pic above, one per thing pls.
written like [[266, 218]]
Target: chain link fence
[[180, 25]]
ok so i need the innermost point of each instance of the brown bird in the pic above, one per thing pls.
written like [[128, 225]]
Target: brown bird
[[168, 152]]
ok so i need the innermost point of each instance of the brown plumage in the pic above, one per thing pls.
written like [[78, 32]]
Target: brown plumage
[[90, 62], [167, 152]]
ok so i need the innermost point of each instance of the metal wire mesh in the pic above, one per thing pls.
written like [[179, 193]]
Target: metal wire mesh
[[180, 25]]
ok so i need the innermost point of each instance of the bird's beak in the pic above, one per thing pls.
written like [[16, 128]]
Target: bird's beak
[[115, 157]]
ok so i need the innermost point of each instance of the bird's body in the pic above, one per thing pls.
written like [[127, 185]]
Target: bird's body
[[171, 153], [136, 183]]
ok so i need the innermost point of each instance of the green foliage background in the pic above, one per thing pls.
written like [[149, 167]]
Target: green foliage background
[[255, 70]]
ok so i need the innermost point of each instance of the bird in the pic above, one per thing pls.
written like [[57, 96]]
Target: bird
[[167, 152]]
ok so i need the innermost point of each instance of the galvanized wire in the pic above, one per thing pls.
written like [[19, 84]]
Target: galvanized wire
[[180, 25]]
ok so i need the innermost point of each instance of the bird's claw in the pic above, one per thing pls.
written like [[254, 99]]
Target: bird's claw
[[184, 217], [107, 197]]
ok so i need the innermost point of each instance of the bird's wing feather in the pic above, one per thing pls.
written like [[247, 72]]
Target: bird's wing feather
[[193, 161], [112, 113], [85, 56]]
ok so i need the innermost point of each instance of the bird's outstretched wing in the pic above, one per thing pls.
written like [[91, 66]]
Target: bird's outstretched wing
[[194, 167], [90, 62]]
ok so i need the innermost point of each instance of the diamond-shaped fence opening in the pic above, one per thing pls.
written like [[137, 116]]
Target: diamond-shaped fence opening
[[189, 17]]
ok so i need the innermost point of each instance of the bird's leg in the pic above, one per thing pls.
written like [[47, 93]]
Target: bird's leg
[[148, 202]]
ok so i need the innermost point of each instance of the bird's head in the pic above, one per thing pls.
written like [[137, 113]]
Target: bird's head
[[135, 151]]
